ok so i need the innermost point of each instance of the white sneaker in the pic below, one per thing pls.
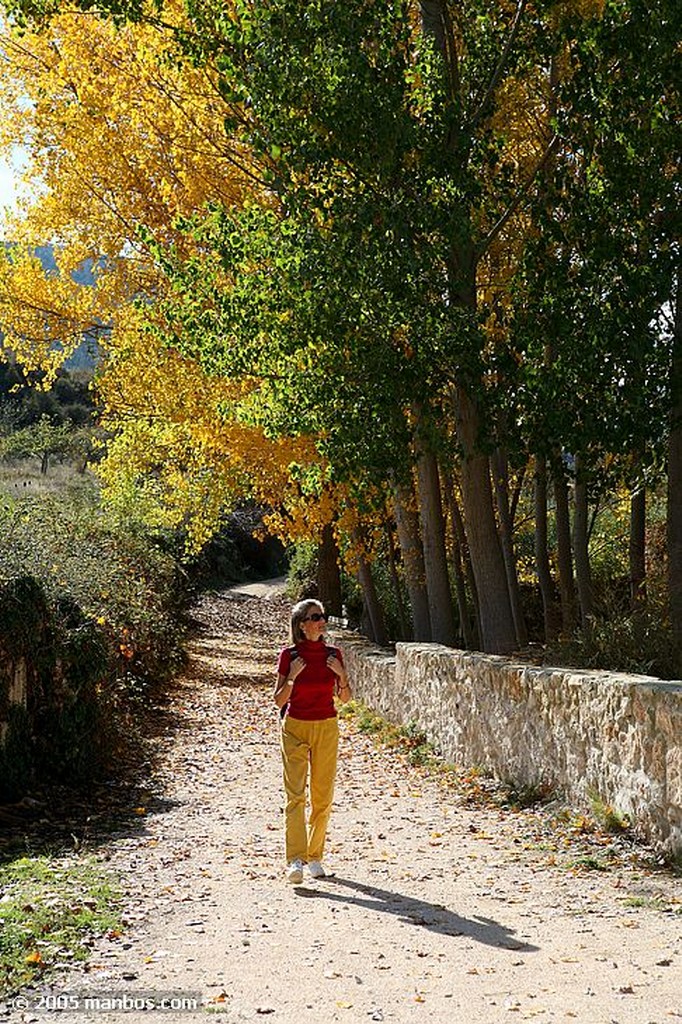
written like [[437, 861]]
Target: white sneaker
[[295, 872], [316, 869]]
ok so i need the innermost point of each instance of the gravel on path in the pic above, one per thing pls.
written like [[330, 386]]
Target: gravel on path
[[437, 911]]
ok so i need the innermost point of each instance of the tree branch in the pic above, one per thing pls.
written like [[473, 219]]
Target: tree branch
[[523, 191], [497, 73]]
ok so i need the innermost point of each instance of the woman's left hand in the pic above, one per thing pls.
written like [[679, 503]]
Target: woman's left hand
[[335, 665]]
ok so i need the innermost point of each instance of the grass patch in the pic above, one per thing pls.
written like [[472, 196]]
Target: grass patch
[[588, 862], [410, 740], [24, 479], [49, 909], [519, 797], [649, 902], [610, 818]]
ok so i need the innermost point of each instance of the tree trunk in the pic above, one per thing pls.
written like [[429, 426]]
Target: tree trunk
[[496, 620], [375, 617], [397, 589], [328, 572], [542, 567], [498, 635], [518, 488], [637, 548], [674, 511], [583, 573], [441, 612], [460, 536], [457, 562], [501, 476], [407, 523], [461, 592], [564, 553]]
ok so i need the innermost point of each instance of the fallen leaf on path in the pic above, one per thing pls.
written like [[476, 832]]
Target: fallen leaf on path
[[220, 998]]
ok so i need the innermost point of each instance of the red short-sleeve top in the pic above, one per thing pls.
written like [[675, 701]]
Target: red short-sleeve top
[[312, 696]]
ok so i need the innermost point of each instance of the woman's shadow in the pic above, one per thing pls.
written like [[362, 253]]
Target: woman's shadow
[[432, 916]]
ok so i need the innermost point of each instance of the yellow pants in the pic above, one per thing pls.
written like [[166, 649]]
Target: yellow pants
[[315, 744]]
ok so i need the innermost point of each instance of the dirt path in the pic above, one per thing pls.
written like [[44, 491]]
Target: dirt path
[[438, 911]]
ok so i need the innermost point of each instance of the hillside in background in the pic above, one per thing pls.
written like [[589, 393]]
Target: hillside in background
[[85, 358]]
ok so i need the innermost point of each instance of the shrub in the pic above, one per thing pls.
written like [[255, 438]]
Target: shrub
[[92, 606], [59, 725], [302, 573], [639, 642], [122, 577], [16, 754]]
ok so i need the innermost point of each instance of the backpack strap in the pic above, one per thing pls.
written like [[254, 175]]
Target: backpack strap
[[293, 653]]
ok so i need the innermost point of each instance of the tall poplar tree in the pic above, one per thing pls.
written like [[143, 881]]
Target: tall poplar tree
[[385, 120]]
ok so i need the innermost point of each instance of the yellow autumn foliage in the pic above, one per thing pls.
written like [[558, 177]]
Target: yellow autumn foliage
[[120, 133]]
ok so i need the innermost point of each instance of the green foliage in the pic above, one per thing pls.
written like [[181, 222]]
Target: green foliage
[[591, 338], [302, 571], [93, 604], [350, 283], [413, 739], [50, 908], [115, 571], [399, 148], [67, 729], [588, 862], [607, 816], [24, 399], [409, 740], [75, 721], [520, 796], [638, 642], [650, 902], [23, 613], [40, 440]]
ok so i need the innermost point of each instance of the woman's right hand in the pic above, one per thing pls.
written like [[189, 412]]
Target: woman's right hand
[[296, 667]]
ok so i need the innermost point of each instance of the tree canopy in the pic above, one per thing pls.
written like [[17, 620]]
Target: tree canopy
[[347, 250]]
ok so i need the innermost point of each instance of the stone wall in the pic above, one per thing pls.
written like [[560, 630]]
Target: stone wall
[[53, 666], [15, 679], [583, 733]]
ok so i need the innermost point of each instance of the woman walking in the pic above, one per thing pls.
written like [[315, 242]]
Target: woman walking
[[310, 674]]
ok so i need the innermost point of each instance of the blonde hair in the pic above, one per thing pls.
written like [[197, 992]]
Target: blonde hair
[[298, 613]]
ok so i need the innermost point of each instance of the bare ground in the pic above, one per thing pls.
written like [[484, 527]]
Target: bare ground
[[438, 911]]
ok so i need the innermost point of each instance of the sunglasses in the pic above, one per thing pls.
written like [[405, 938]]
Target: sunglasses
[[316, 617]]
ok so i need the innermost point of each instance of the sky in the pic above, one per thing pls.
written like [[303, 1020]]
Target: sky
[[9, 172], [6, 184]]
